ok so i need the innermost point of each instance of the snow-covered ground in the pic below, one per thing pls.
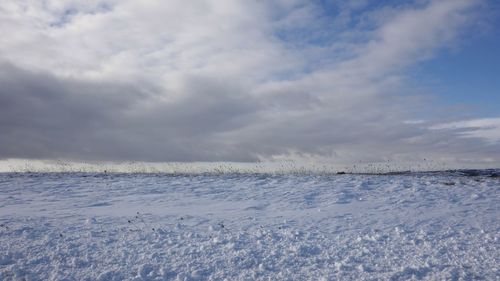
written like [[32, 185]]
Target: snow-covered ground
[[84, 226]]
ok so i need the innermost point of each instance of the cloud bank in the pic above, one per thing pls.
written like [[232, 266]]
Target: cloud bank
[[217, 80]]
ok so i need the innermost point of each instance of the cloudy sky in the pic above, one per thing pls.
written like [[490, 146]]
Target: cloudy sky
[[250, 80]]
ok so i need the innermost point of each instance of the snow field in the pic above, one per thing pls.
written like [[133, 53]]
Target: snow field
[[248, 227]]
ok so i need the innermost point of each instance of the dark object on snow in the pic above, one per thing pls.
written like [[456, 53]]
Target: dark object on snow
[[493, 173], [449, 183], [341, 173], [471, 173]]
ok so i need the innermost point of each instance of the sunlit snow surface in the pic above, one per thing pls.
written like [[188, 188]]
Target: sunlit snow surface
[[81, 226]]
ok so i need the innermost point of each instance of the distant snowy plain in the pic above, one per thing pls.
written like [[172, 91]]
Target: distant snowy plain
[[96, 226]]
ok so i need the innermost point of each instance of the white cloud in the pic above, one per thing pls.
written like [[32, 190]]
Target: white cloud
[[413, 122], [487, 129]]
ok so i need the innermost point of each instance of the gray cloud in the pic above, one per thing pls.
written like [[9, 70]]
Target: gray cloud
[[45, 116], [226, 81]]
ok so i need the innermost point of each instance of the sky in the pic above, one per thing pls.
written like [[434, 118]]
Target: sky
[[345, 82]]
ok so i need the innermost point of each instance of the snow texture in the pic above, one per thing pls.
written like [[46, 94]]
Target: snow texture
[[85, 226]]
